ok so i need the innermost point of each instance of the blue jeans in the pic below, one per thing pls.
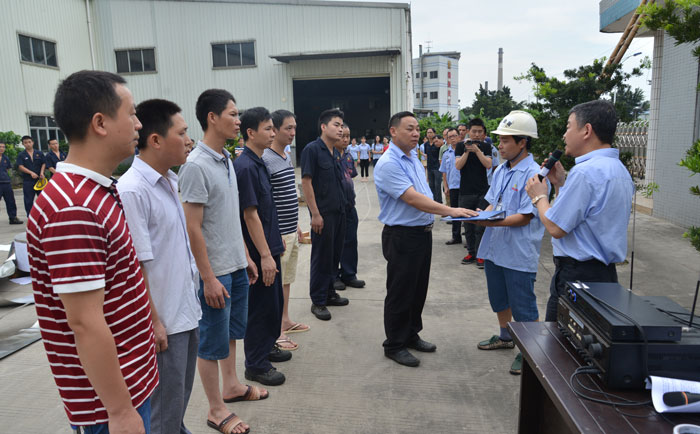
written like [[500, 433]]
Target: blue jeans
[[103, 428], [512, 289]]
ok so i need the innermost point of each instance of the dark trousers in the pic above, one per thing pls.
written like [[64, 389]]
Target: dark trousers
[[29, 195], [326, 249], [374, 161], [456, 226], [570, 270], [408, 252], [364, 168], [9, 196], [473, 232], [348, 259], [264, 321], [435, 184]]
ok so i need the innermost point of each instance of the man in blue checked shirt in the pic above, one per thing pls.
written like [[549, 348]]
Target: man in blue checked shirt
[[450, 178], [511, 247], [588, 221], [406, 209]]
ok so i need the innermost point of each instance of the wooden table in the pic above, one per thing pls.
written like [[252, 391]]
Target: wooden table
[[549, 405]]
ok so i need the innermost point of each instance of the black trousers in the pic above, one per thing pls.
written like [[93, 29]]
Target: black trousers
[[29, 195], [435, 184], [9, 196], [264, 321], [364, 168], [568, 270], [456, 226], [473, 232], [408, 251], [326, 249], [348, 259]]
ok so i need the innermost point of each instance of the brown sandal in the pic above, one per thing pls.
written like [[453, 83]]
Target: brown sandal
[[252, 394], [227, 425]]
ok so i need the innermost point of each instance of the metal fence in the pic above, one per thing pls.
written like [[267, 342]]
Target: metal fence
[[631, 139]]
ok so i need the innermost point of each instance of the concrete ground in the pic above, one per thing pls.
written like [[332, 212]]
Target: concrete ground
[[338, 380]]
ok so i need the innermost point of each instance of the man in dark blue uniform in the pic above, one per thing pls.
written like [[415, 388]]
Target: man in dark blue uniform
[[6, 187], [264, 242], [54, 156], [321, 183], [30, 163]]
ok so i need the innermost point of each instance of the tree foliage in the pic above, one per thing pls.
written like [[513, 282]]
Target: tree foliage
[[436, 121], [492, 103]]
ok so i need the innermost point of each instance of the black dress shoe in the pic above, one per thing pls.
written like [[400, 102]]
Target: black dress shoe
[[422, 346], [338, 285], [321, 312], [278, 355], [451, 242], [269, 378], [336, 300], [403, 357], [355, 283], [16, 221]]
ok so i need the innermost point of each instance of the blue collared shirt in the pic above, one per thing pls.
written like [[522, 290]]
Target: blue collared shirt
[[34, 164], [514, 247], [354, 149], [326, 176], [448, 167], [593, 208], [364, 151], [5, 165], [394, 174]]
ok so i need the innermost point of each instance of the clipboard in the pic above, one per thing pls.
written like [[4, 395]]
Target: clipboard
[[483, 215]]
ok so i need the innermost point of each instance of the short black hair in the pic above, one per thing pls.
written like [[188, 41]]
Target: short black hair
[[50, 140], [80, 96], [452, 129], [212, 101], [528, 142], [476, 122], [252, 118], [395, 120], [281, 115], [430, 128], [462, 125], [26, 138], [329, 114], [156, 116], [602, 117]]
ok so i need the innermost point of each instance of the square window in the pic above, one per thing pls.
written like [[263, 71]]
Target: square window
[[218, 52], [149, 60], [425, 74], [417, 74], [433, 95], [433, 74], [233, 54], [425, 94], [135, 61], [417, 95], [38, 51], [122, 61], [248, 53], [37, 121], [25, 48], [50, 49]]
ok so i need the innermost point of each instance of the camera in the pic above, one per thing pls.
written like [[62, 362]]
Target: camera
[[473, 142]]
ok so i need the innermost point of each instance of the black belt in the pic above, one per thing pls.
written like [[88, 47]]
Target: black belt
[[565, 260], [426, 228]]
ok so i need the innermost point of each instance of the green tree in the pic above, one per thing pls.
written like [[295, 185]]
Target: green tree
[[436, 121], [681, 20], [493, 103], [629, 103]]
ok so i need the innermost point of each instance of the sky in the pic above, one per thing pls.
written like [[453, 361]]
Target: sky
[[555, 34]]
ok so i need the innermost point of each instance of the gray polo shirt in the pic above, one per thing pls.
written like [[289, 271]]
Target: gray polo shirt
[[208, 178]]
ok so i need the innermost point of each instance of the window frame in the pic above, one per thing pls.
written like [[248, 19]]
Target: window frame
[[43, 40], [46, 128], [433, 73], [141, 49], [437, 95], [240, 44]]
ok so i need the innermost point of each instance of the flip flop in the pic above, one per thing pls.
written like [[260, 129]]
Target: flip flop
[[287, 344], [252, 394], [297, 327], [227, 425]]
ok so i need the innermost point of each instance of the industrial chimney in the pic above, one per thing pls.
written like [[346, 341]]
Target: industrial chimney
[[500, 69]]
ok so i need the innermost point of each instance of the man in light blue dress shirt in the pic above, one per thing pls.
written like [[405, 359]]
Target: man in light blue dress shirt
[[406, 209], [588, 221], [451, 178], [511, 247]]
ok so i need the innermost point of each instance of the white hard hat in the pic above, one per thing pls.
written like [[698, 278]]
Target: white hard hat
[[517, 123]]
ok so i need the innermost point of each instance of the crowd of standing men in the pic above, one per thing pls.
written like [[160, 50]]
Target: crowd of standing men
[[137, 284]]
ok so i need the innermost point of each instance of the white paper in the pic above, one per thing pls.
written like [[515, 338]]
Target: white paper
[[26, 280], [661, 385], [22, 258], [5, 247]]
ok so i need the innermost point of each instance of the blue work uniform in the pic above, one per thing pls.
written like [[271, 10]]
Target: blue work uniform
[[323, 167], [593, 208], [265, 303], [447, 166], [511, 253], [406, 244], [348, 258], [34, 164], [6, 187], [53, 159]]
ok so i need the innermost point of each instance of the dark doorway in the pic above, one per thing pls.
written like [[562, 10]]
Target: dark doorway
[[365, 102]]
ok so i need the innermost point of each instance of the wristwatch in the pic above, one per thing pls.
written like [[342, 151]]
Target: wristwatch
[[537, 198]]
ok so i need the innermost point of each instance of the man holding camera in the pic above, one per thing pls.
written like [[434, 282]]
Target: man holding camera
[[473, 160]]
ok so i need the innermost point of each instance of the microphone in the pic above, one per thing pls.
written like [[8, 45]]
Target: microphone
[[674, 399], [551, 161]]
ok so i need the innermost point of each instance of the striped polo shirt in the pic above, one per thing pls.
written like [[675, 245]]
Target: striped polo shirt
[[284, 192], [78, 241]]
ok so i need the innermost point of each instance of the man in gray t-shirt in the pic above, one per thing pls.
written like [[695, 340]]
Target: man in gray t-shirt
[[209, 194]]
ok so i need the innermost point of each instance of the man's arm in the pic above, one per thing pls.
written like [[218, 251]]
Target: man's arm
[[310, 197], [535, 187], [255, 229], [484, 159], [423, 203], [23, 169], [98, 356], [214, 291], [158, 327], [43, 169], [461, 160]]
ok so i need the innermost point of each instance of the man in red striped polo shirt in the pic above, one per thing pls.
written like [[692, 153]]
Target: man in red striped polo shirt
[[90, 295]]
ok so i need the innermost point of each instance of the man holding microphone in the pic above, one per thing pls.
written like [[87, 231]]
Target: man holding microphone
[[406, 209]]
